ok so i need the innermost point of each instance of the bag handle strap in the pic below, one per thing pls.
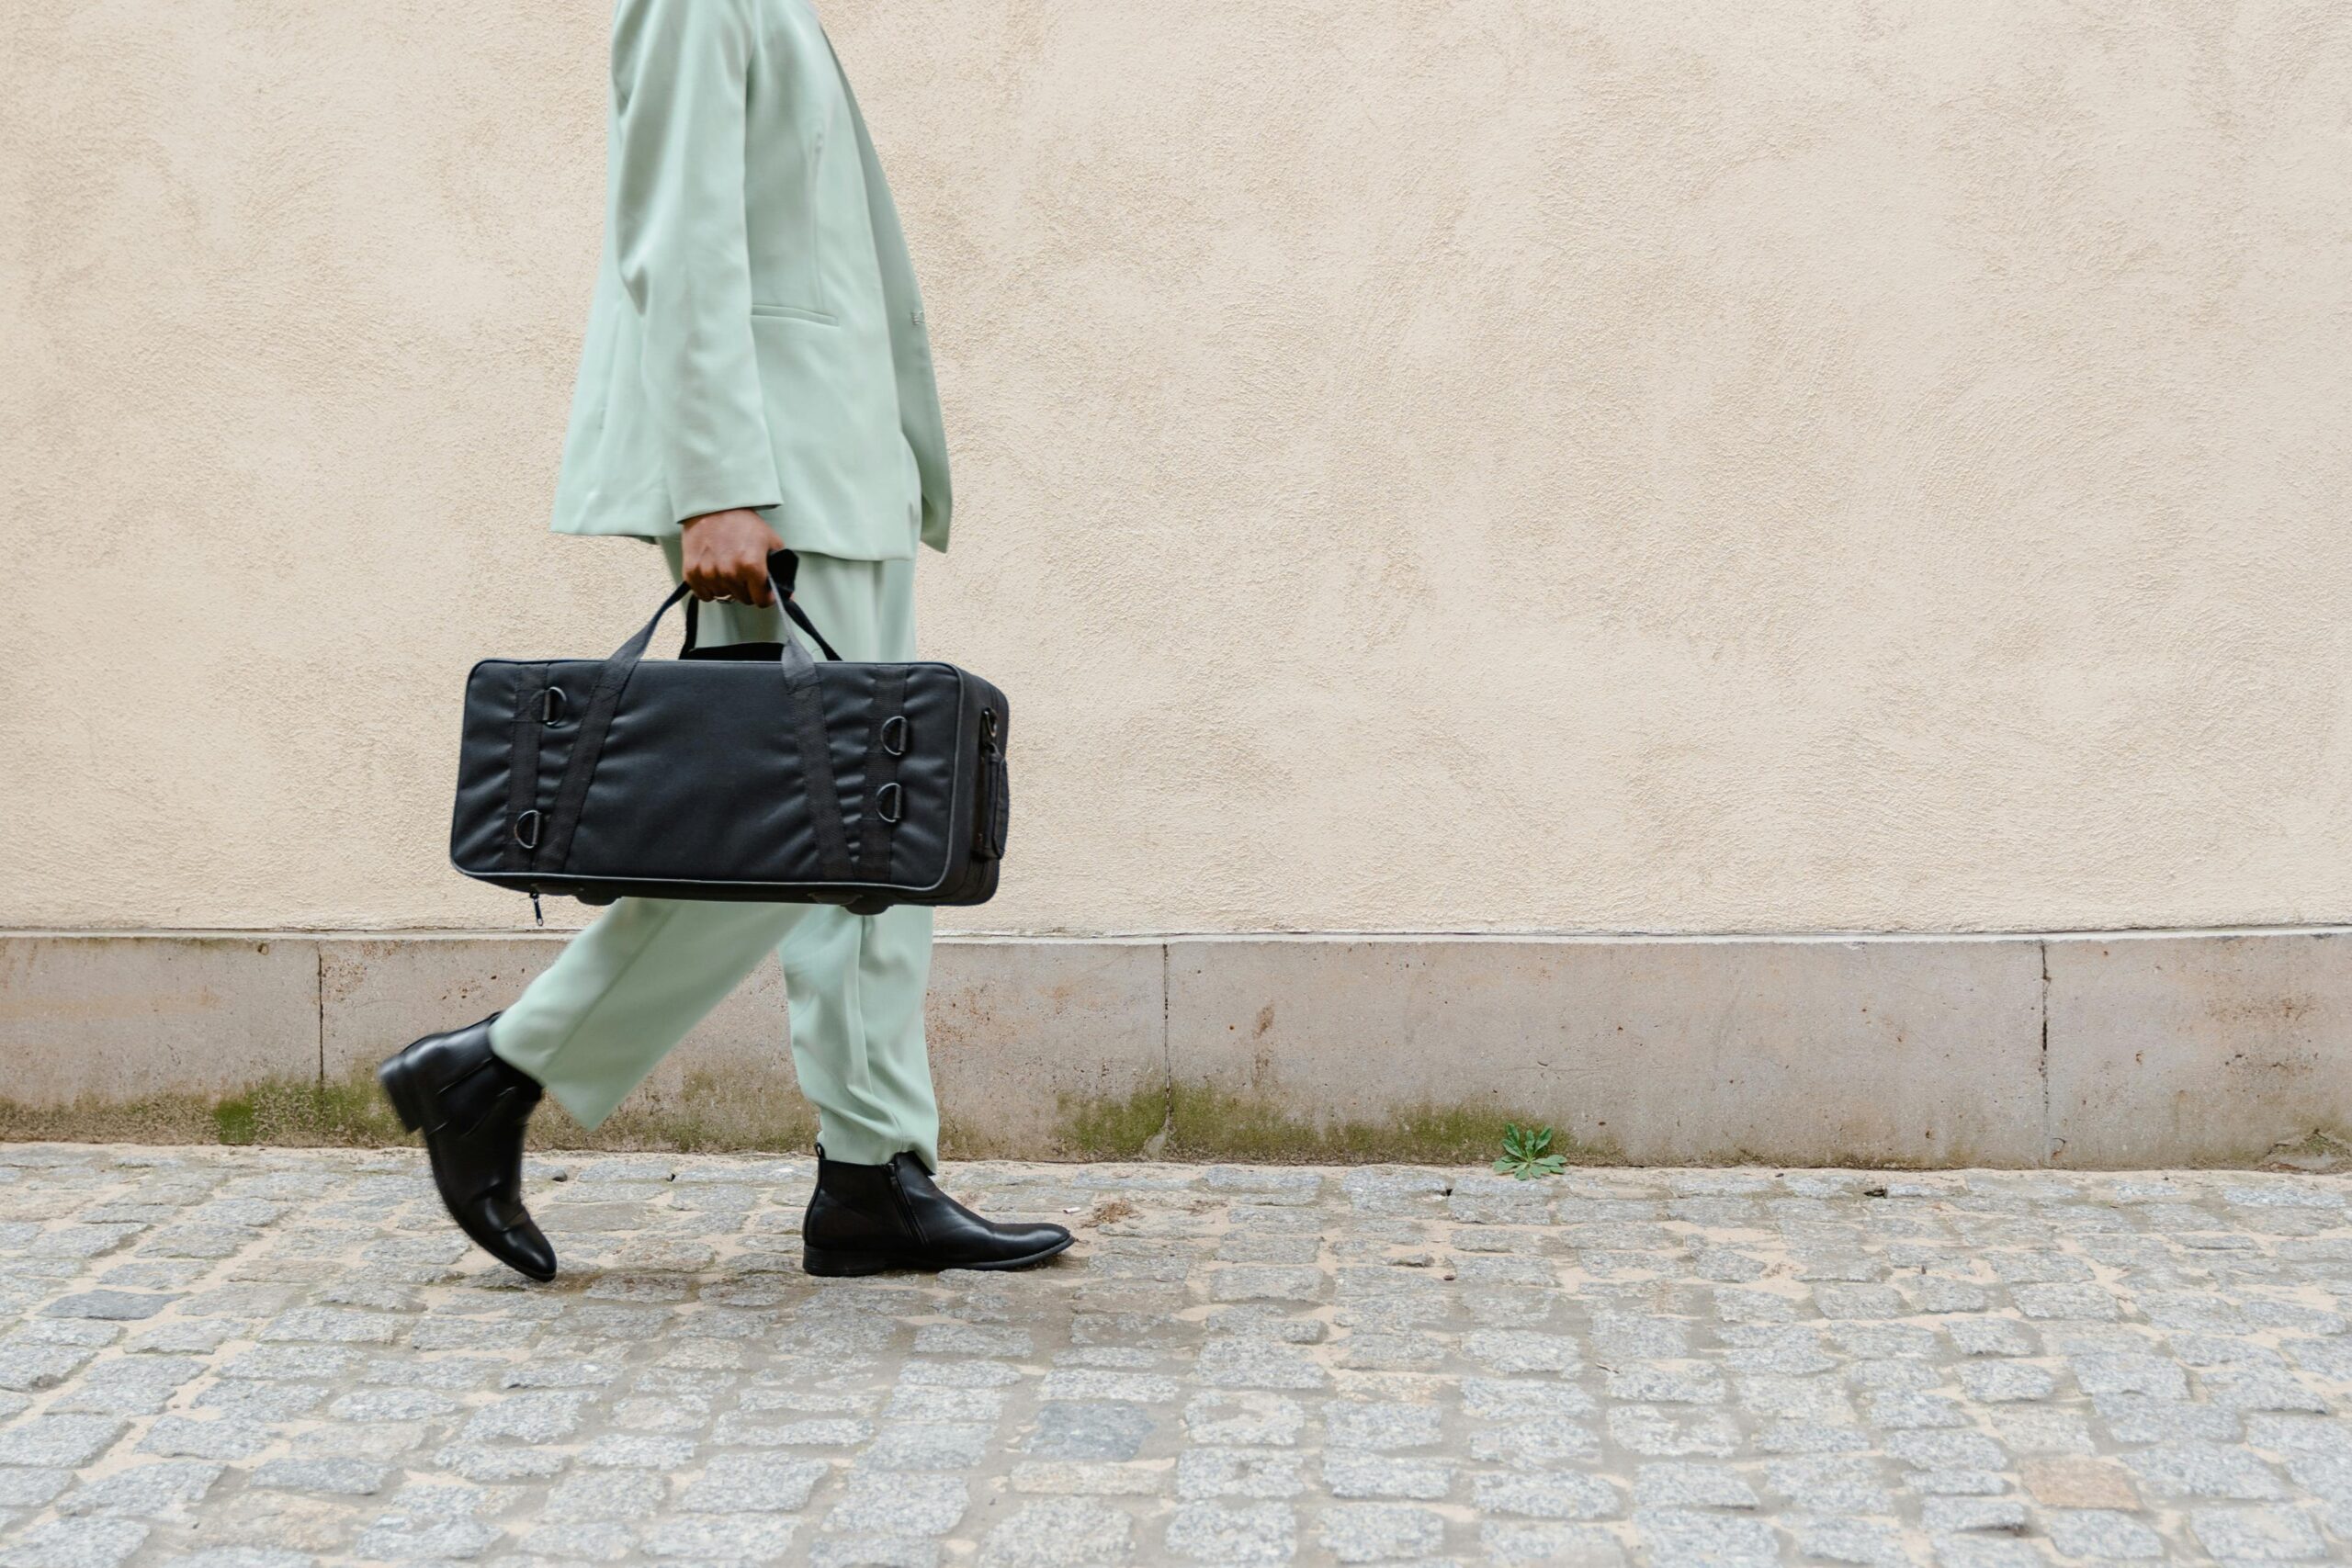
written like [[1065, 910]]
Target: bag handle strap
[[808, 725], [572, 793], [784, 570]]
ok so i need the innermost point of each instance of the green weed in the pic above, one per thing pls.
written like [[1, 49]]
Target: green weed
[[1527, 1153]]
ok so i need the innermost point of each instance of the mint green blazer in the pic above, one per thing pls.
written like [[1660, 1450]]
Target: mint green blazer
[[757, 337]]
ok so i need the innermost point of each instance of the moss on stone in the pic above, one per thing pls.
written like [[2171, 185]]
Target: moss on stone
[[151, 1118], [2320, 1150], [710, 1115], [1203, 1121], [736, 1112], [720, 1113], [350, 1114], [1112, 1128]]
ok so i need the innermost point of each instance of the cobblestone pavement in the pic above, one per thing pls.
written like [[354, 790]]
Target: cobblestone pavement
[[248, 1358]]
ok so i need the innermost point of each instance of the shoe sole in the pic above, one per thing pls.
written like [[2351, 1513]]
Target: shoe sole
[[399, 1087], [831, 1264]]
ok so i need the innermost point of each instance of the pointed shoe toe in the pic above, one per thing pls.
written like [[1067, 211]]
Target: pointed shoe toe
[[523, 1247], [1029, 1245]]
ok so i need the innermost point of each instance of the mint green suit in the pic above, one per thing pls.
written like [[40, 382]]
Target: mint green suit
[[756, 340]]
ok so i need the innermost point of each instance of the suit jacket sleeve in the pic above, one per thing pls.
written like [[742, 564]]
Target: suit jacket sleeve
[[679, 76]]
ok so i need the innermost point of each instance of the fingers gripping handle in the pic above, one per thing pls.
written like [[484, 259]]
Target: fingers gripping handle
[[784, 570]]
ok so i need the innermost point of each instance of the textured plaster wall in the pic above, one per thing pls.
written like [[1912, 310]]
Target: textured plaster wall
[[1453, 464]]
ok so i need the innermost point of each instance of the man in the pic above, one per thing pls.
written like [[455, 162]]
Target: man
[[755, 372]]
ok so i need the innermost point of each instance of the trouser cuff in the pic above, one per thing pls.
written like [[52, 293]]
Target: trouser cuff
[[852, 1145]]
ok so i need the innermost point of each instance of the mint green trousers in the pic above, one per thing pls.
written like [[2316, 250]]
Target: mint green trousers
[[631, 986]]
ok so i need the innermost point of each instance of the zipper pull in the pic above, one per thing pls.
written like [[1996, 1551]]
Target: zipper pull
[[537, 913]]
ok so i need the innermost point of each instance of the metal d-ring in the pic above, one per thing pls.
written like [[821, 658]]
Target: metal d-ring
[[895, 724], [530, 820], [890, 802]]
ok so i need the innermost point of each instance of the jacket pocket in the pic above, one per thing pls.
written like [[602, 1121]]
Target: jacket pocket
[[795, 312]]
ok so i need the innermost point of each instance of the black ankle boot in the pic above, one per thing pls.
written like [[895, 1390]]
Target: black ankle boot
[[473, 1108], [863, 1218]]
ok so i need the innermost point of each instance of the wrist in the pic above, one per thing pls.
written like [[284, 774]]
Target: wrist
[[753, 513]]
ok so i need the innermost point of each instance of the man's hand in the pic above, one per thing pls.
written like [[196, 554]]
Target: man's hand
[[727, 556]]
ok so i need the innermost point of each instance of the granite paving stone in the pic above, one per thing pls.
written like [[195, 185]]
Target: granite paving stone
[[1233, 1533], [283, 1359]]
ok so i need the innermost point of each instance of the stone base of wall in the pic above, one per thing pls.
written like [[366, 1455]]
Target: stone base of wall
[[2081, 1051]]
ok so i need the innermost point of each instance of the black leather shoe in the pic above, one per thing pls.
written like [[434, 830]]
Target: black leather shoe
[[473, 1108], [863, 1218]]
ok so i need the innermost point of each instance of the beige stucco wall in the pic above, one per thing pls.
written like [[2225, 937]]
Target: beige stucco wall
[[1456, 464]]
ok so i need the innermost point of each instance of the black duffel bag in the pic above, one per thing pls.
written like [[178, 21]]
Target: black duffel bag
[[748, 772]]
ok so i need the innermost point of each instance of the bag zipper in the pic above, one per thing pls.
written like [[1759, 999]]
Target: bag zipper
[[984, 798]]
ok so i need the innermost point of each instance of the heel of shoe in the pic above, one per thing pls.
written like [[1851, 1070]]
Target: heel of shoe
[[829, 1263], [397, 1082]]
